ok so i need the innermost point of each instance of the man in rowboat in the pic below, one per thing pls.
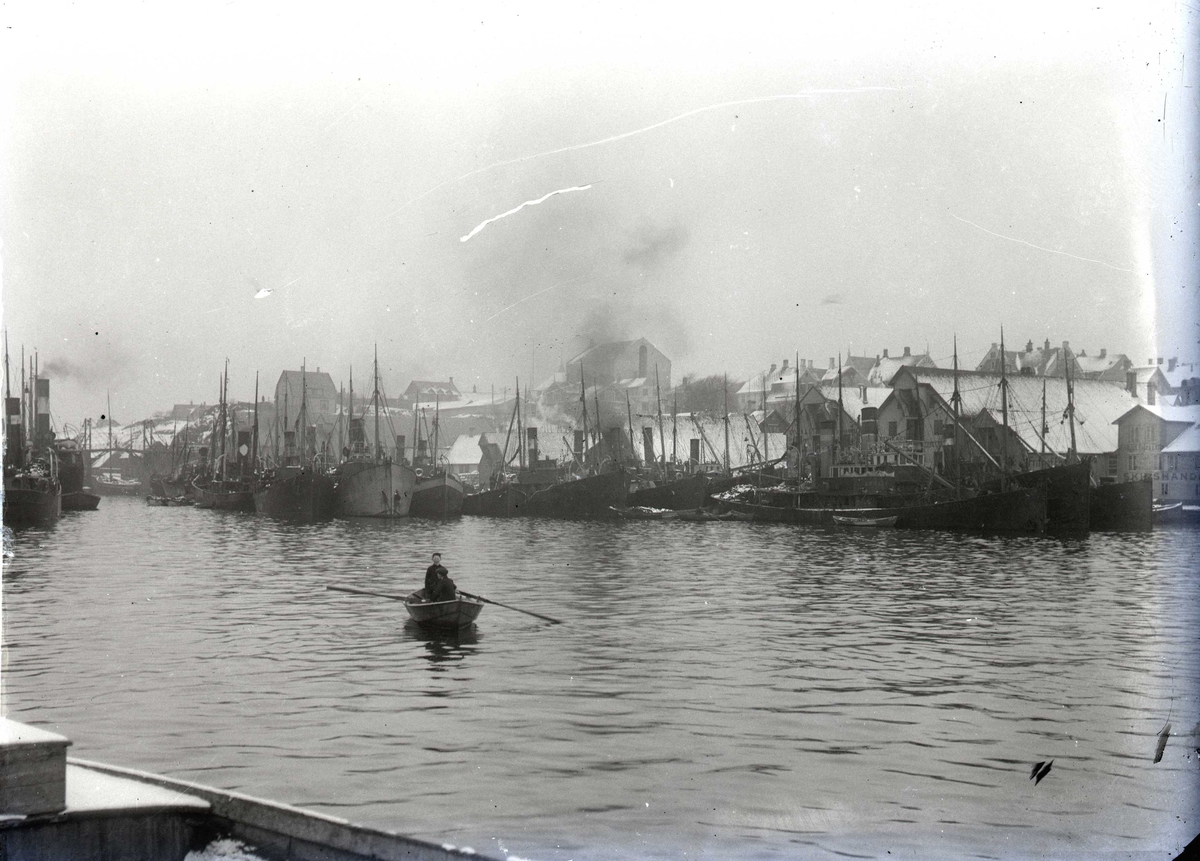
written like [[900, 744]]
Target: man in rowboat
[[444, 589], [431, 573]]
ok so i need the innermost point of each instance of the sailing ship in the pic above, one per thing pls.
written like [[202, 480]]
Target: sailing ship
[[1125, 506], [368, 483], [298, 489], [230, 487], [503, 497], [436, 493], [32, 491]]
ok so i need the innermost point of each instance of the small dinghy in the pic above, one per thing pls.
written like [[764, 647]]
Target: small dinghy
[[846, 520], [452, 615]]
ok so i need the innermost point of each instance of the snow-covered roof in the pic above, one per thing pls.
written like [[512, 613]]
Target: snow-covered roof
[[1188, 441]]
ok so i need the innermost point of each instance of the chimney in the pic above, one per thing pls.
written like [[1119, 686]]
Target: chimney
[[1131, 382], [452, 381], [1172, 362], [1159, 360], [810, 362], [1046, 346], [1029, 346], [1103, 352], [907, 352], [771, 373], [885, 355], [1150, 394], [1083, 353], [785, 366], [831, 364]]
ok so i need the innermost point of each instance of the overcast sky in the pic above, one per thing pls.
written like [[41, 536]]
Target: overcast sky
[[271, 182]]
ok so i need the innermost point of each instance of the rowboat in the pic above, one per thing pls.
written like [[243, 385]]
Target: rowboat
[[56, 806], [451, 615], [845, 520]]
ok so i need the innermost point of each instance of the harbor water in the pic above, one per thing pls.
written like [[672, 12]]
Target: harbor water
[[716, 690]]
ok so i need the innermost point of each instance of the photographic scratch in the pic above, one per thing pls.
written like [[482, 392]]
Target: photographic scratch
[[1162, 742], [517, 209], [807, 94], [1040, 247], [532, 296], [267, 291]]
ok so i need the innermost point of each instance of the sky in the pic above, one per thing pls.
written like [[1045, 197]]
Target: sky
[[481, 192]]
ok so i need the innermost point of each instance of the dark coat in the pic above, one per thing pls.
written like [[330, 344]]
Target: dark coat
[[431, 576], [443, 590]]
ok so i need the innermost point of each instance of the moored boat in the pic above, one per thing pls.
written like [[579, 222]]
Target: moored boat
[[437, 495], [1068, 495], [504, 500], [59, 807], [224, 494], [75, 497], [449, 615], [294, 493], [687, 492], [31, 498], [847, 520], [1125, 506], [590, 496]]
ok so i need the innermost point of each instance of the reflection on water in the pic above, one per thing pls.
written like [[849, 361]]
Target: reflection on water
[[724, 690]]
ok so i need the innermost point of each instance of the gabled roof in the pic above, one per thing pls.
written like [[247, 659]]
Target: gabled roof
[[854, 398], [885, 369], [1186, 442], [1167, 412], [1096, 365], [1097, 405]]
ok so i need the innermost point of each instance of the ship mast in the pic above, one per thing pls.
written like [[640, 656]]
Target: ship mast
[[375, 398], [521, 424], [837, 443], [629, 416], [304, 453], [583, 404], [1004, 416], [725, 394], [662, 440], [254, 456], [1074, 455], [796, 429], [956, 402]]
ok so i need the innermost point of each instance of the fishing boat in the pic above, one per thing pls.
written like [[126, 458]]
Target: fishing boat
[[32, 490], [449, 615], [437, 495], [300, 489], [686, 492], [849, 520], [75, 497], [58, 807], [586, 497], [165, 501], [369, 483], [1176, 514], [1068, 495], [1124, 506], [231, 486], [504, 500]]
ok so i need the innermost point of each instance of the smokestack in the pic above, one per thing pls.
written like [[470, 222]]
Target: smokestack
[[907, 352], [831, 364], [885, 355], [1103, 352], [1131, 382], [785, 366]]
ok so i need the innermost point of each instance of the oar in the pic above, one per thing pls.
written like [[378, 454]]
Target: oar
[[510, 607], [365, 592], [460, 592]]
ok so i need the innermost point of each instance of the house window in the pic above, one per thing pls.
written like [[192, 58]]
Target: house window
[[891, 429], [1113, 465], [938, 428], [1131, 461], [1164, 489]]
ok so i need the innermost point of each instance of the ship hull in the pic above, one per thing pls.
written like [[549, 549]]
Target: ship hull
[[304, 497], [437, 496], [31, 506], [1127, 506], [1068, 495], [588, 497], [682, 494], [80, 500], [505, 501], [370, 489], [1020, 511]]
